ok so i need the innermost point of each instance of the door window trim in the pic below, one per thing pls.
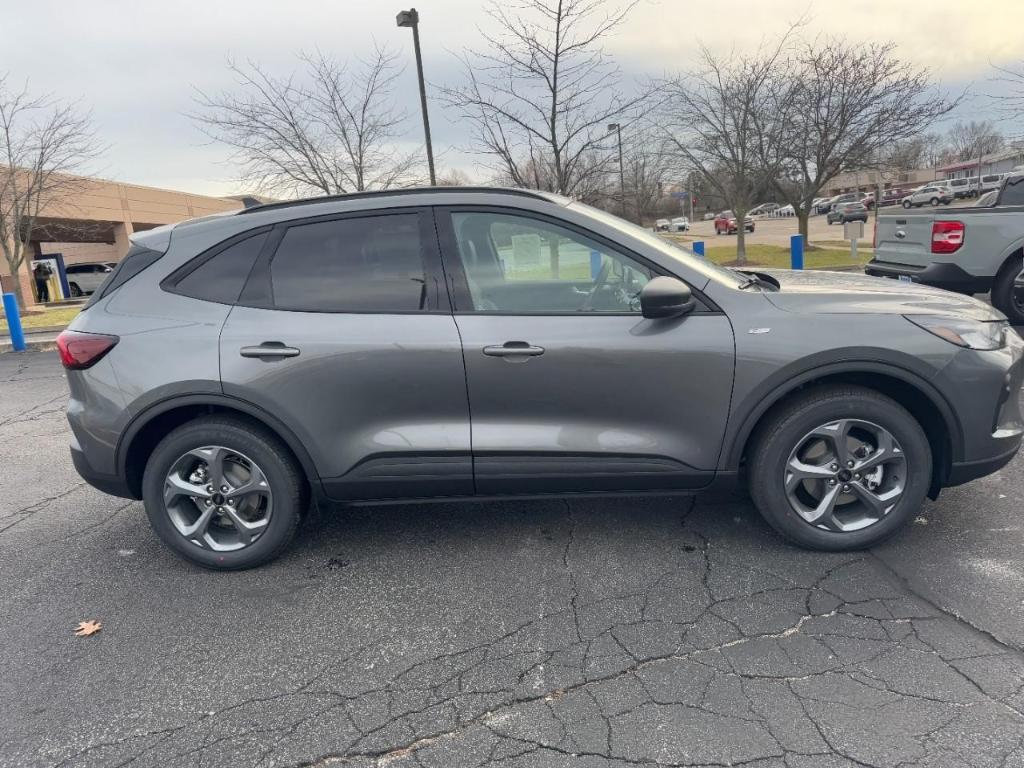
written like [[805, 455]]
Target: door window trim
[[458, 285], [258, 291]]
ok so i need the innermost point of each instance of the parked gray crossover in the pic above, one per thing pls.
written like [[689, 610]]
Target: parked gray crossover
[[474, 343]]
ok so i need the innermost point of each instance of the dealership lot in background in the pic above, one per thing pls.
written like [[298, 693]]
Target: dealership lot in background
[[581, 633]]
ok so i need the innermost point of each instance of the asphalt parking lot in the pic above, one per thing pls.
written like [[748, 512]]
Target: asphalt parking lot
[[616, 632]]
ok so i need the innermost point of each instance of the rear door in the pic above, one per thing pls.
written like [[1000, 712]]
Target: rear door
[[570, 388], [344, 332]]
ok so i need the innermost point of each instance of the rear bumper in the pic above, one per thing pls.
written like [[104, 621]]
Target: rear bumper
[[111, 484], [951, 277]]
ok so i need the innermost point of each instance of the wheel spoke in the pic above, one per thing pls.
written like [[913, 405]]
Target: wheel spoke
[[878, 503], [246, 530], [886, 450], [197, 531], [214, 457], [256, 485], [176, 486], [836, 434], [797, 471], [823, 513]]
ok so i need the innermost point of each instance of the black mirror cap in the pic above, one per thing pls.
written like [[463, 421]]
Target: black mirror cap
[[666, 297]]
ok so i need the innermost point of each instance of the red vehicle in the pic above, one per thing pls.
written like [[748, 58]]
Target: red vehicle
[[725, 222]]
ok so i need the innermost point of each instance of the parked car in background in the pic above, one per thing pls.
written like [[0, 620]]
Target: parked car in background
[[970, 250], [725, 223], [709, 216], [679, 224], [662, 225], [930, 194], [846, 197], [891, 197], [966, 187], [868, 200], [844, 212], [816, 203], [786, 211], [764, 209], [83, 279], [239, 369], [991, 181]]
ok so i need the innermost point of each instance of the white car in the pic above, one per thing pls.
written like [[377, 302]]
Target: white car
[[661, 225], [991, 181], [786, 210], [930, 194], [709, 216], [679, 224], [86, 278]]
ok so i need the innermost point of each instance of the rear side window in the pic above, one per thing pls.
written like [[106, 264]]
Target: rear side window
[[137, 259], [1013, 192], [364, 264], [220, 277]]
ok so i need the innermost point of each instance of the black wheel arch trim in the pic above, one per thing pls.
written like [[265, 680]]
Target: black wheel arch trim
[[278, 427], [785, 381]]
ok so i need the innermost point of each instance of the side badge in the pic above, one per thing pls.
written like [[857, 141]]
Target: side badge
[[759, 330]]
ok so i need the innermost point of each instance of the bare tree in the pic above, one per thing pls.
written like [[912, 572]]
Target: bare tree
[[718, 121], [847, 106], [332, 131], [1011, 78], [44, 143], [647, 169], [969, 141], [541, 90]]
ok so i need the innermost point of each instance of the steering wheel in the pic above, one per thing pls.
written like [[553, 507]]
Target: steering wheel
[[599, 283]]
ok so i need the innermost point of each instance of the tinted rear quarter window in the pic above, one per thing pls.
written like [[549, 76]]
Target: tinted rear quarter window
[[1013, 192], [137, 259], [220, 277], [364, 264]]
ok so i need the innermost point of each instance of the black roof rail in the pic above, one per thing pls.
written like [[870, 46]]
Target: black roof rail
[[550, 197]]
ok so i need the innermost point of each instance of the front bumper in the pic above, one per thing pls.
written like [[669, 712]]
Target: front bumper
[[950, 277]]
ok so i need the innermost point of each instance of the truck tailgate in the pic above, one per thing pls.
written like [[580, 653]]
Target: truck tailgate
[[904, 238]]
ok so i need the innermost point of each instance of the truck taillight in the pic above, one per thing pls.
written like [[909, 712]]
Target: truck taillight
[[80, 350], [947, 236]]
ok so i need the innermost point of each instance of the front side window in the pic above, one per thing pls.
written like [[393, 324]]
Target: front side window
[[1013, 192], [516, 263], [365, 264]]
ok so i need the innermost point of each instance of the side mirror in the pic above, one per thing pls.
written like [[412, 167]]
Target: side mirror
[[666, 297]]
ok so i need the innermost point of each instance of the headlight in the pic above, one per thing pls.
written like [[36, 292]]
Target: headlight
[[973, 334]]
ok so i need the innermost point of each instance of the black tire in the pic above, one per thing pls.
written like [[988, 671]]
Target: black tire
[[933, 202], [1002, 290], [785, 429], [284, 477], [75, 290], [907, 204]]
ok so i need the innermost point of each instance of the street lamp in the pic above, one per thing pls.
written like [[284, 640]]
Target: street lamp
[[622, 171], [411, 18]]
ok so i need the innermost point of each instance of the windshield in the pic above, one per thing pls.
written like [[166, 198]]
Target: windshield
[[663, 245]]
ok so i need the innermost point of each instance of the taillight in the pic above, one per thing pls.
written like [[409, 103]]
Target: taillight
[[947, 236], [80, 350]]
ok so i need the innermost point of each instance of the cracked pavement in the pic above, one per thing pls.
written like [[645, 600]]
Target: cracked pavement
[[597, 633]]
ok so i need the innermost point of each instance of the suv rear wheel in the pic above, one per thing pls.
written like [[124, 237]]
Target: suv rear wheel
[[223, 493], [840, 468], [1004, 296]]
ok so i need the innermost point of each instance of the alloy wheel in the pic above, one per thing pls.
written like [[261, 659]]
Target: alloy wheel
[[218, 498], [845, 475]]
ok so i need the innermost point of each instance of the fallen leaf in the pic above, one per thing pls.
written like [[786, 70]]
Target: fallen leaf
[[87, 628]]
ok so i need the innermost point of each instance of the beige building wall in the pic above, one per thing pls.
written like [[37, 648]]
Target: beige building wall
[[116, 210]]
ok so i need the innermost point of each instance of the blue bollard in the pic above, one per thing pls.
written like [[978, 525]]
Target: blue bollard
[[14, 322], [796, 251], [697, 246]]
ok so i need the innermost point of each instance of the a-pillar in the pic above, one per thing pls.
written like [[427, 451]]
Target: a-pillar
[[122, 231]]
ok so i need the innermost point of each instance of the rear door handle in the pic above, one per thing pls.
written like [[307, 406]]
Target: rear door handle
[[513, 349], [269, 350]]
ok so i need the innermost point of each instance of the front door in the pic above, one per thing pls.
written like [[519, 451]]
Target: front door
[[570, 388], [344, 332]]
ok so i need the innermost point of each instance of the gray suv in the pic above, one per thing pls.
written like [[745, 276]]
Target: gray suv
[[473, 343]]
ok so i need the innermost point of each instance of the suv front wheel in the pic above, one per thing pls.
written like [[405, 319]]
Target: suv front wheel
[[840, 468], [223, 493]]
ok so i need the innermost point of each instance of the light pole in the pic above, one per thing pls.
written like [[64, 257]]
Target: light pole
[[622, 171], [411, 18]]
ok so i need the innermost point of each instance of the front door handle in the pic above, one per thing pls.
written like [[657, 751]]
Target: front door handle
[[513, 349], [269, 350]]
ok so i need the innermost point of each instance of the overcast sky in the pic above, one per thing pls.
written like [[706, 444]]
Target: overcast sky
[[136, 63]]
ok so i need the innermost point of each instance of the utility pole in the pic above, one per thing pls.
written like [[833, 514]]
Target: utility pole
[[617, 127], [411, 18]]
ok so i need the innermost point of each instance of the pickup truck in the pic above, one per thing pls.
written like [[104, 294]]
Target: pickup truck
[[968, 250]]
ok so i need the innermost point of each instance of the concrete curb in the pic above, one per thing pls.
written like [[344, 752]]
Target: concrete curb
[[30, 346]]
